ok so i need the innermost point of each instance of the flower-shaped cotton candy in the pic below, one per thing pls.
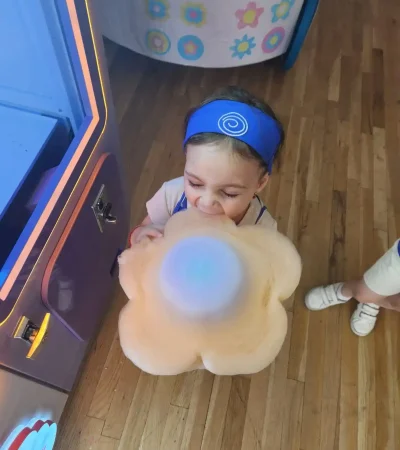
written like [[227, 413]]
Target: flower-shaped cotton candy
[[207, 295]]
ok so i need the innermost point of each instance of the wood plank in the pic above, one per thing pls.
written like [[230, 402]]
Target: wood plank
[[183, 389], [298, 197], [367, 48], [288, 172], [314, 172], [378, 109], [313, 390], [108, 381], [300, 180], [235, 414], [366, 394], [309, 253], [300, 80], [138, 412], [346, 81], [380, 183], [366, 161], [276, 397], [256, 409], [366, 104], [357, 27], [105, 443], [126, 74], [91, 438], [215, 423], [142, 194], [291, 432], [158, 414], [334, 81], [368, 254], [393, 233], [122, 399], [198, 409], [378, 41], [298, 349], [342, 159], [174, 428]]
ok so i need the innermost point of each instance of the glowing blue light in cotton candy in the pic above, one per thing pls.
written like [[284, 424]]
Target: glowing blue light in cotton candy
[[201, 276]]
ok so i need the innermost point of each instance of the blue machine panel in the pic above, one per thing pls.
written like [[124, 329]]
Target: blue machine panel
[[23, 136], [36, 73]]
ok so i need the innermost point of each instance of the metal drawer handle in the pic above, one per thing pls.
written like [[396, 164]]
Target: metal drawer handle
[[107, 214], [102, 209]]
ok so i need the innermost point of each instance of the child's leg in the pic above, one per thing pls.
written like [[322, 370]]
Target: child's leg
[[360, 291], [391, 302]]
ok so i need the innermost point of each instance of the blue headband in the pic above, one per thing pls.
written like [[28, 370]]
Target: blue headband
[[240, 121]]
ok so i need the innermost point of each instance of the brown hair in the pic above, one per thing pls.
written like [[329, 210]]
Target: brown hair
[[242, 149]]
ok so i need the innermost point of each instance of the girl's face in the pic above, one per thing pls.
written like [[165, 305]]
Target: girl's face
[[220, 182]]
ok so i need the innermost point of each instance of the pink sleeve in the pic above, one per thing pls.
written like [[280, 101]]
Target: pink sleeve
[[157, 207]]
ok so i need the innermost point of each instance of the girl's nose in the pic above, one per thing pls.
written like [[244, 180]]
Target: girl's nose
[[208, 200], [208, 204]]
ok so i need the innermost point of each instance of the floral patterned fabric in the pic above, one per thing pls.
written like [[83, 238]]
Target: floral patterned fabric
[[208, 33]]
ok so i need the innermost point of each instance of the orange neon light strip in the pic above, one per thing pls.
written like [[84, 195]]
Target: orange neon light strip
[[6, 288]]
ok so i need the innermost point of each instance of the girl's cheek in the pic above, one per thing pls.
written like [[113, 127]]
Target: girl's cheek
[[191, 195]]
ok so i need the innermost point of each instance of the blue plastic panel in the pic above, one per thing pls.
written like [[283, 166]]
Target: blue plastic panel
[[36, 72], [23, 135]]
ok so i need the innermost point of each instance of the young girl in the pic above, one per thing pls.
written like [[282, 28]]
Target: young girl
[[379, 287], [230, 143]]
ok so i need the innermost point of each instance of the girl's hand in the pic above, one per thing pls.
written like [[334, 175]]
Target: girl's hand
[[145, 231]]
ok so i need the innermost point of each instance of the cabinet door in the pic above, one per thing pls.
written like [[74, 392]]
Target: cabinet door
[[79, 277]]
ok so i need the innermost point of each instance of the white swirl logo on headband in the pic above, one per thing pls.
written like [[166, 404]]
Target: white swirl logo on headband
[[233, 124]]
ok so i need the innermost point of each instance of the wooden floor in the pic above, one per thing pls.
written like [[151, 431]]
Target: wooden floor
[[334, 194]]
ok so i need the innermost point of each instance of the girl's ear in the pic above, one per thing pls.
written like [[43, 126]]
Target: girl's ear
[[262, 183]]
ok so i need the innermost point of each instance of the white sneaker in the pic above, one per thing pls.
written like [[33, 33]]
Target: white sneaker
[[325, 296], [363, 320]]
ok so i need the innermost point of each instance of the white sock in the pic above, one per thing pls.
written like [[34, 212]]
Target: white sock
[[340, 295]]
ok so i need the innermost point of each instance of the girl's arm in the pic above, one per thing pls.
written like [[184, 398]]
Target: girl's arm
[[146, 221], [158, 209]]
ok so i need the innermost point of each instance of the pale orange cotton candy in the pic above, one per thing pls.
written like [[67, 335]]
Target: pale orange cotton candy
[[162, 341]]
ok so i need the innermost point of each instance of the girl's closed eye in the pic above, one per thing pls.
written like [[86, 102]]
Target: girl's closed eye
[[195, 185], [230, 195]]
